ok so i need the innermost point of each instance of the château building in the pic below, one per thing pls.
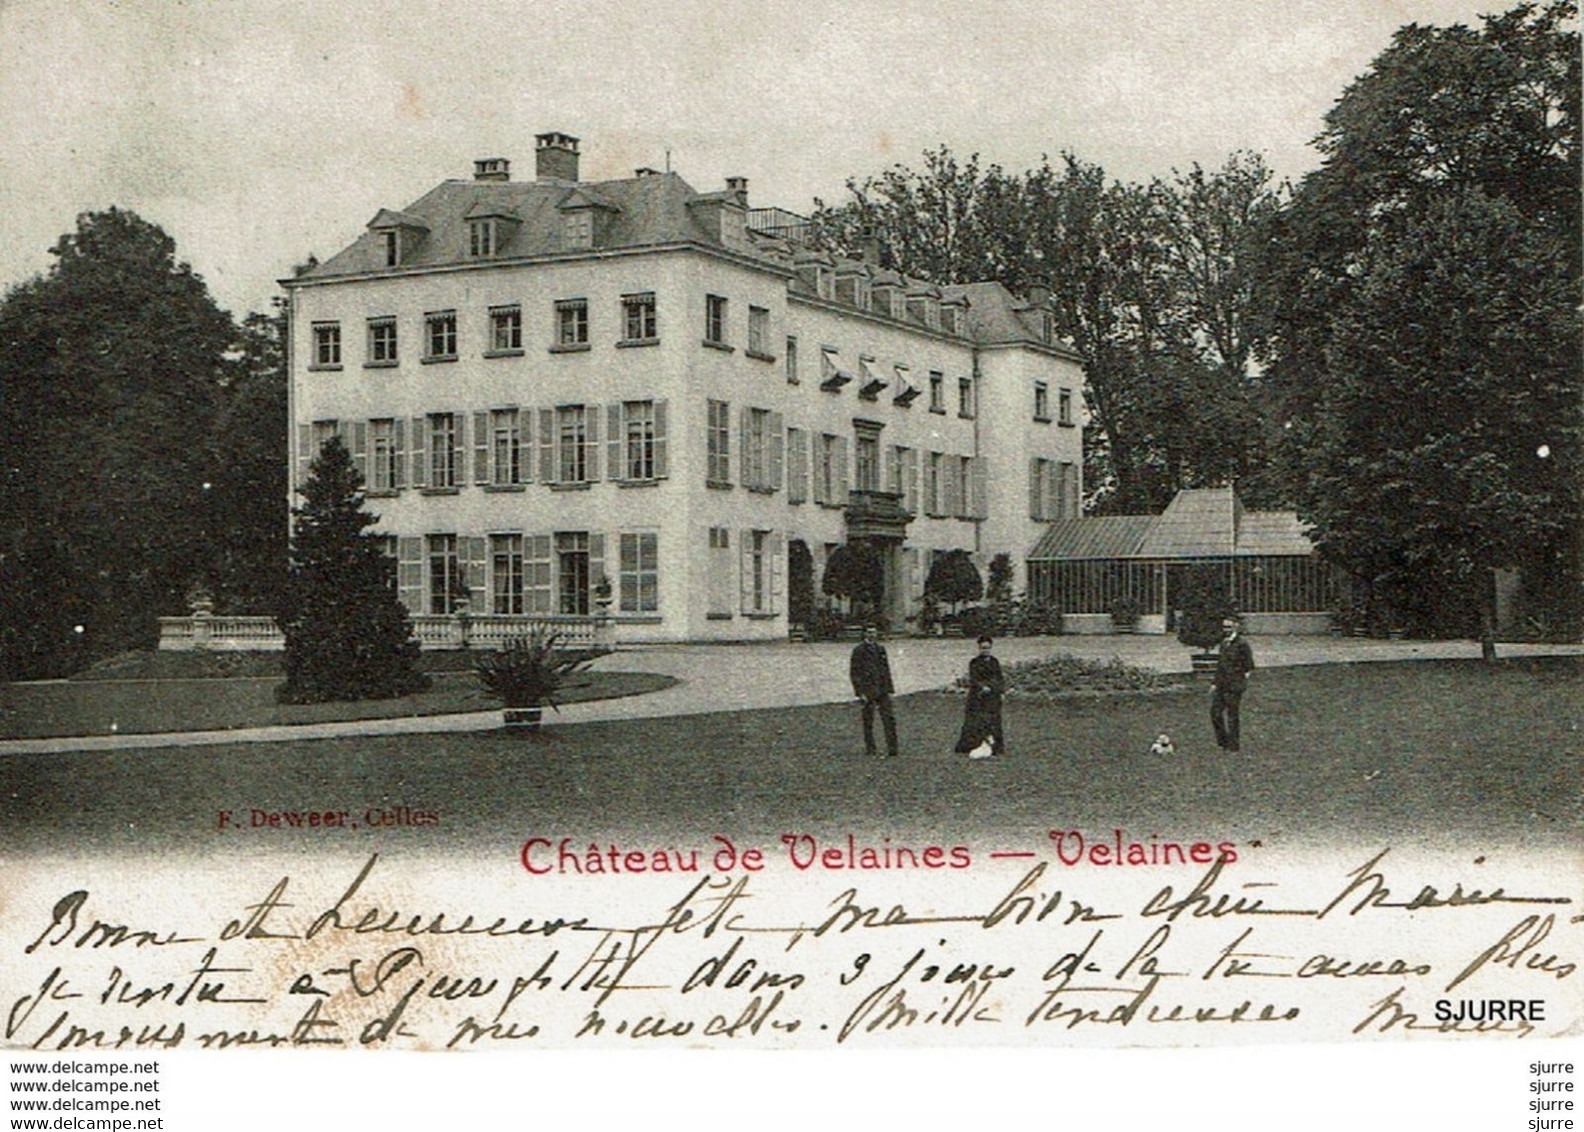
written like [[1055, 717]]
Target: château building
[[551, 383]]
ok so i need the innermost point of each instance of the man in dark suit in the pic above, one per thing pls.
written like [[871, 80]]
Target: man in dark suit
[[871, 683], [1234, 662]]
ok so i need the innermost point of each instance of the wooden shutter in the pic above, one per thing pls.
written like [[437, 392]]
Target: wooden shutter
[[483, 441], [398, 453], [911, 471], [458, 447], [797, 466], [538, 594], [660, 467], [1036, 512], [304, 453], [475, 550], [360, 450], [776, 427], [1070, 495], [525, 471], [597, 564], [745, 475], [548, 471], [591, 443], [980, 508], [912, 556], [745, 570], [409, 573], [615, 465], [774, 549], [823, 446], [841, 471], [420, 470]]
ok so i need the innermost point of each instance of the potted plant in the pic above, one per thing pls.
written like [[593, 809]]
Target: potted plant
[[526, 673], [1125, 612], [1205, 602]]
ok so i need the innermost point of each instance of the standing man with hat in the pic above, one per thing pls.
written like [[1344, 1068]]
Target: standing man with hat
[[1234, 662], [871, 683]]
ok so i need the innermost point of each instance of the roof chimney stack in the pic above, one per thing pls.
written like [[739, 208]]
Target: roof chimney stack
[[556, 157], [738, 187], [645, 171], [492, 169]]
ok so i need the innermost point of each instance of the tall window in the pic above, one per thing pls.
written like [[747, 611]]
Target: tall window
[[327, 344], [446, 592], [443, 448], [572, 562], [867, 462], [638, 441], [759, 331], [932, 484], [384, 456], [966, 508], [382, 341], [638, 317], [505, 328], [572, 443], [572, 328], [505, 448], [937, 392], [756, 449], [718, 472], [758, 586], [506, 574], [827, 476], [1041, 401], [441, 343], [965, 397], [1065, 402], [639, 573], [791, 360], [715, 319]]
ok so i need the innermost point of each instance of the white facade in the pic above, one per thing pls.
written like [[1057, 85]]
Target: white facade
[[725, 450]]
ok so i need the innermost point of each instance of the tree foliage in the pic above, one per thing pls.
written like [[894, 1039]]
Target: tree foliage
[[854, 571], [954, 579], [347, 635], [1426, 325], [111, 369], [1154, 285]]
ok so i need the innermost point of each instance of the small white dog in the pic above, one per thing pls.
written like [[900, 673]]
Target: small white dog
[[1163, 745]]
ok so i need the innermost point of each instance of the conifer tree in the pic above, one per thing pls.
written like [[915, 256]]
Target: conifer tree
[[347, 635]]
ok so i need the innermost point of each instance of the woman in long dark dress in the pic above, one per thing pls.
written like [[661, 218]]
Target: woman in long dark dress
[[982, 719]]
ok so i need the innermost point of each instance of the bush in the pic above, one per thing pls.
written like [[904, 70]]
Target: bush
[[528, 671], [1064, 673], [1203, 601], [826, 625], [974, 621]]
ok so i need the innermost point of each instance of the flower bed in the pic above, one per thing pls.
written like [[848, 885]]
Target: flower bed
[[1064, 674]]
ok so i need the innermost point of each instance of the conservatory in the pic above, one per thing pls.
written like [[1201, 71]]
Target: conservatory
[[1130, 566]]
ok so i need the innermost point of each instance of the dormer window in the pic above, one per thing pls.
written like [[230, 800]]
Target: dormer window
[[390, 247], [398, 234], [483, 238], [577, 228], [1047, 327]]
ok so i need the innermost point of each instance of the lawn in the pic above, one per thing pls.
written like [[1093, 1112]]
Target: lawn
[[1354, 754], [103, 705]]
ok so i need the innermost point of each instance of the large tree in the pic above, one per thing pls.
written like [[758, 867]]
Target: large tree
[[1153, 286], [1427, 333], [110, 367], [348, 636]]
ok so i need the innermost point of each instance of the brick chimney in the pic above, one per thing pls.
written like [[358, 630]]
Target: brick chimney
[[556, 157], [738, 187], [492, 169]]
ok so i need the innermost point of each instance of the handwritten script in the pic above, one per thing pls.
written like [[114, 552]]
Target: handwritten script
[[382, 951]]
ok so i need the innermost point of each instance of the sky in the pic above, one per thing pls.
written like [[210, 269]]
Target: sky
[[257, 132]]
